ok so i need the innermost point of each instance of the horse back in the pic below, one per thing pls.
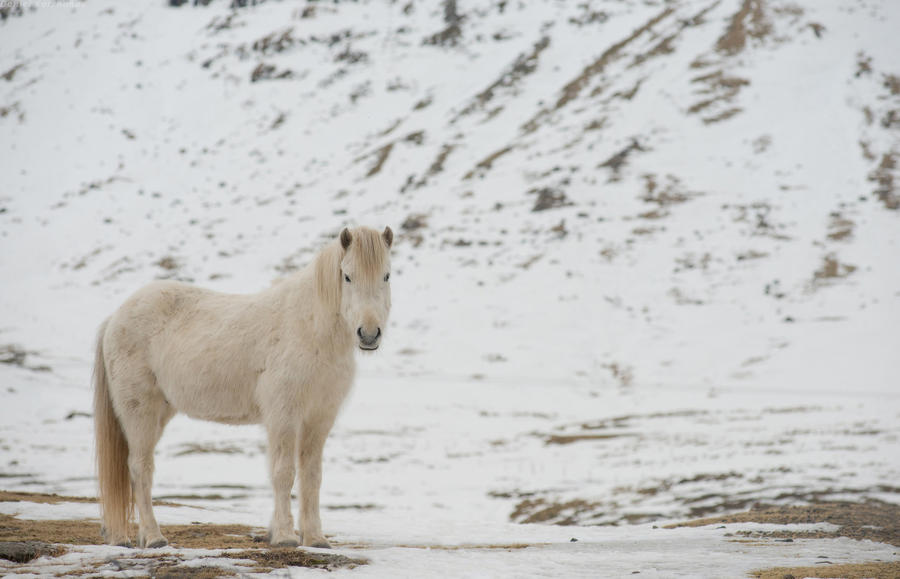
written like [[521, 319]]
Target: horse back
[[203, 349]]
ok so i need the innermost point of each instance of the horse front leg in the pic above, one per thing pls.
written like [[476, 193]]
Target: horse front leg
[[312, 441], [282, 448]]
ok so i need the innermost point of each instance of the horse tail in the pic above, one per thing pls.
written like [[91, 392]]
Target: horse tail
[[116, 503]]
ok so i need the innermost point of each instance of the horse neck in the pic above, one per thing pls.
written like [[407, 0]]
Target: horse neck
[[302, 310]]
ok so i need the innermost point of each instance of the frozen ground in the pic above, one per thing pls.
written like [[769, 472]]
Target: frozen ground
[[645, 270]]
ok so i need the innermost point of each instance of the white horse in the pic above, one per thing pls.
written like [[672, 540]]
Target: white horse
[[282, 357]]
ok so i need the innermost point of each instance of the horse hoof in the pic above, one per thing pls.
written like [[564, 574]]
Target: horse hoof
[[123, 543], [285, 542], [317, 544], [157, 543]]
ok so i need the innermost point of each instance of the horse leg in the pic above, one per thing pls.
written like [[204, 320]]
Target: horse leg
[[312, 441], [143, 426], [282, 443]]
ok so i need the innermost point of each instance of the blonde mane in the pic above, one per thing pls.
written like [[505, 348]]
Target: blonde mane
[[368, 251]]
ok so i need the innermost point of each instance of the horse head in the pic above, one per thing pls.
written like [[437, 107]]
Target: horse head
[[365, 272]]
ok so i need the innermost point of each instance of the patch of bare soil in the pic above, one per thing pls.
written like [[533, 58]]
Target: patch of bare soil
[[540, 510], [758, 216], [411, 228], [485, 164], [618, 160], [24, 551], [208, 448], [9, 74], [382, 153], [665, 46], [849, 571], [5, 111], [883, 177], [570, 438], [381, 156], [66, 532], [270, 559], [664, 195], [9, 9], [15, 355], [549, 198], [83, 532], [172, 565], [830, 270], [265, 71], [574, 87], [524, 65], [749, 21], [717, 90], [449, 35], [872, 520], [840, 228], [52, 499]]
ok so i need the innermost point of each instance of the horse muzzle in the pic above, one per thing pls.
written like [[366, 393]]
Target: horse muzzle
[[368, 341]]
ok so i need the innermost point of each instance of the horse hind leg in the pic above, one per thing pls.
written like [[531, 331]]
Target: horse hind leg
[[145, 416]]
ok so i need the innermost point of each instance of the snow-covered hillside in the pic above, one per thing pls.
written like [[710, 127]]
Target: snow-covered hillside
[[646, 262]]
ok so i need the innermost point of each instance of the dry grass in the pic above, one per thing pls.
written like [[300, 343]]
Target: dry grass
[[66, 532], [570, 438], [52, 499], [524, 65], [840, 228], [542, 511], [381, 156], [24, 551], [485, 164], [749, 21], [849, 571], [831, 269], [883, 177], [574, 87], [871, 520], [84, 532], [270, 559], [50, 534]]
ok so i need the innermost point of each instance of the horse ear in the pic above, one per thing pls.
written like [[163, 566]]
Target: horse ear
[[346, 238], [388, 236]]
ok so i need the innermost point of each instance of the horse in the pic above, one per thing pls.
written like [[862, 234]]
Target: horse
[[283, 357]]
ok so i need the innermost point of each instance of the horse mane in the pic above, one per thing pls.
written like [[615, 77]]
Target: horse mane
[[369, 253]]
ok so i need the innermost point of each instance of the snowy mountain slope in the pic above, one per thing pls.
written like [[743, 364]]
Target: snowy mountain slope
[[674, 223]]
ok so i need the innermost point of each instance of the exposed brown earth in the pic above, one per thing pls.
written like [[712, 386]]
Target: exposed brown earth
[[852, 571], [52, 499], [84, 532], [748, 22], [872, 520], [574, 87], [524, 65], [485, 164]]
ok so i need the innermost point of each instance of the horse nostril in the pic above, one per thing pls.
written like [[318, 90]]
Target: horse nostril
[[378, 333], [359, 333]]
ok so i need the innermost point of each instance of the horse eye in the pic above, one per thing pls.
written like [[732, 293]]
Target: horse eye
[[387, 276], [346, 278]]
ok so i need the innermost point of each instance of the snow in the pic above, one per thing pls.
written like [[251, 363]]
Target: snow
[[700, 339]]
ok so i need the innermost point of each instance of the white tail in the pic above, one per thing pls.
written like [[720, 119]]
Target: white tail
[[116, 504]]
